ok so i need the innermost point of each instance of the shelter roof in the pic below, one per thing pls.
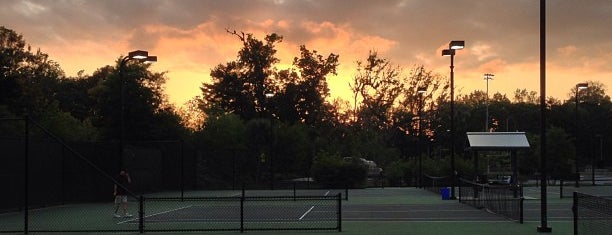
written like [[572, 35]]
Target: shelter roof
[[497, 140]]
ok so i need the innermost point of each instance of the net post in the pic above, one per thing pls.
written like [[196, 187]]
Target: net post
[[141, 214], [575, 212], [339, 198]]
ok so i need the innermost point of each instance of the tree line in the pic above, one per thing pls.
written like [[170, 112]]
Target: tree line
[[256, 123]]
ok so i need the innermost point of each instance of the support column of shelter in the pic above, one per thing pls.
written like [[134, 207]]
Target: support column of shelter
[[514, 165], [476, 179]]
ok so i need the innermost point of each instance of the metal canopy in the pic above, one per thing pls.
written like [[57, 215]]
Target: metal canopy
[[497, 140]]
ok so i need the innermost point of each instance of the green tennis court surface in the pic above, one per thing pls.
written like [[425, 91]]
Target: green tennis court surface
[[368, 211]]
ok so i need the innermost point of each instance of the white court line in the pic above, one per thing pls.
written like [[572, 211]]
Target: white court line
[[163, 212], [309, 210], [312, 207]]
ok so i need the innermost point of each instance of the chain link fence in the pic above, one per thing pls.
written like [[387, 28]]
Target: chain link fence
[[55, 186], [241, 213]]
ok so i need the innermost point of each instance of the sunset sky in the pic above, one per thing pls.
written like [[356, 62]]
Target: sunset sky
[[189, 37]]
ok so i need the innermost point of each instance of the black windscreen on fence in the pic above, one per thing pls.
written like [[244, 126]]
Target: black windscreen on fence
[[55, 186]]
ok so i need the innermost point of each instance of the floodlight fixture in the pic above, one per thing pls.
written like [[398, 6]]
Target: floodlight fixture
[[456, 45], [150, 59], [138, 54], [448, 52]]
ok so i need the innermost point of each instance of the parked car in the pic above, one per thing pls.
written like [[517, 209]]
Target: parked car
[[501, 180]]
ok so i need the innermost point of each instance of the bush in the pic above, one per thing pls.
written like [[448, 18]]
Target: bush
[[400, 173], [331, 171]]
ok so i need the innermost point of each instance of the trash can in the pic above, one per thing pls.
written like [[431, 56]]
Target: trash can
[[445, 193]]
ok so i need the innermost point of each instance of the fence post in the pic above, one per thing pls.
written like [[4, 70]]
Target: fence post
[[522, 200], [242, 209], [182, 169], [26, 201], [141, 214], [346, 193], [294, 191], [575, 212], [339, 212], [561, 189], [460, 185]]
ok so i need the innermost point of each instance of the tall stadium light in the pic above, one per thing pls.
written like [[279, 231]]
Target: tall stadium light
[[487, 77], [543, 228], [452, 47], [142, 57], [579, 86], [269, 96], [421, 91]]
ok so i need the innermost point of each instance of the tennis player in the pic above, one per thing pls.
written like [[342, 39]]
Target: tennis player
[[120, 194]]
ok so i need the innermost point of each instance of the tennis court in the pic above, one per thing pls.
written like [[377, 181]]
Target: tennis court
[[367, 211]]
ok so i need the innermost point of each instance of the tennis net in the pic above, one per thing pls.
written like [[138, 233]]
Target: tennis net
[[592, 214], [435, 183], [505, 200]]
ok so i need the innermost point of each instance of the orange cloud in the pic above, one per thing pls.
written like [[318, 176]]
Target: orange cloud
[[493, 66], [567, 50], [482, 51]]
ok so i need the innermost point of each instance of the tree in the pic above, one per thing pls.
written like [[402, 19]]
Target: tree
[[240, 86], [524, 96], [379, 84], [588, 121], [192, 117], [309, 91], [560, 154], [13, 53], [434, 114], [28, 78], [147, 114], [30, 84], [223, 139]]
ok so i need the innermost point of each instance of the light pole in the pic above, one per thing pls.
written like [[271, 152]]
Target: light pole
[[452, 47], [140, 56], [421, 92], [543, 228], [269, 96], [593, 162], [579, 86], [487, 77]]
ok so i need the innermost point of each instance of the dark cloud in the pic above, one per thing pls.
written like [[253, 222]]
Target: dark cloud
[[510, 28]]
